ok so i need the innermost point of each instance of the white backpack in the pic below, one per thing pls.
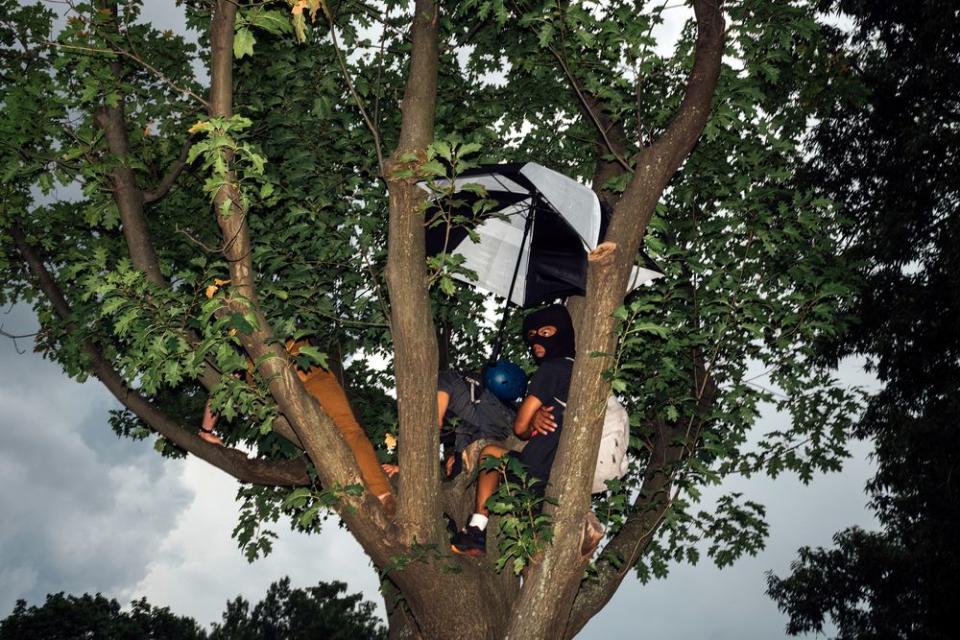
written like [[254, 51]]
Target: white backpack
[[612, 458]]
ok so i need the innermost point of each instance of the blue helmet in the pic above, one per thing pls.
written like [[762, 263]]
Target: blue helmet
[[505, 380]]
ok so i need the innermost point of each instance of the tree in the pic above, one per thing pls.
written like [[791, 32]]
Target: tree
[[315, 612], [887, 158], [312, 170], [284, 614], [66, 617]]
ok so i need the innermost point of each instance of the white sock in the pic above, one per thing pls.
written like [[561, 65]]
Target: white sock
[[479, 521]]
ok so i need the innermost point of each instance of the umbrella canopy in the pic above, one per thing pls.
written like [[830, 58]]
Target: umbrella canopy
[[533, 242]]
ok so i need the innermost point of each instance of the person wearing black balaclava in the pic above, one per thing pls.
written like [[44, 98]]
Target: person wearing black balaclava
[[549, 334]]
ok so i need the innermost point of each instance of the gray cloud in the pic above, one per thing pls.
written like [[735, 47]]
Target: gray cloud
[[82, 510]]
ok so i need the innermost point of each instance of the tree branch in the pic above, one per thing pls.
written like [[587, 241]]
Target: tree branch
[[414, 337], [333, 460], [614, 142], [14, 337], [589, 105], [371, 124], [232, 461], [132, 56], [125, 191], [685, 129], [545, 602], [165, 184], [673, 445]]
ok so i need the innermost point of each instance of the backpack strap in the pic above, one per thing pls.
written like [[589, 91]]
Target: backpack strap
[[476, 388]]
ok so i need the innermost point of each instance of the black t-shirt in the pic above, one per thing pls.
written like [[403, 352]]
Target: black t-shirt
[[551, 386]]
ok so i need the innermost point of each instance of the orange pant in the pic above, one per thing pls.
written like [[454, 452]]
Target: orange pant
[[326, 389]]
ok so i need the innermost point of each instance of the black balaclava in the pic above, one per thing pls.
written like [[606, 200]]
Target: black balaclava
[[559, 345]]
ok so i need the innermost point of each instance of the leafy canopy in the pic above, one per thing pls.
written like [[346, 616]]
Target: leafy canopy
[[749, 252]]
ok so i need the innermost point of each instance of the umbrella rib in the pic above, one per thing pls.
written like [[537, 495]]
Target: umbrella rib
[[528, 224]]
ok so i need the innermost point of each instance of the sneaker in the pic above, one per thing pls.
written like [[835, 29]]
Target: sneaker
[[470, 540]]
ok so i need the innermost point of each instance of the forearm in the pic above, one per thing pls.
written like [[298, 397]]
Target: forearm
[[523, 423]]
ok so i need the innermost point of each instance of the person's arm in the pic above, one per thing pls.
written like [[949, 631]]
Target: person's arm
[[543, 421], [207, 424], [443, 401], [209, 417], [523, 426]]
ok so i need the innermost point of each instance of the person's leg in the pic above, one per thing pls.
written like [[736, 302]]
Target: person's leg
[[472, 539], [324, 386], [488, 481]]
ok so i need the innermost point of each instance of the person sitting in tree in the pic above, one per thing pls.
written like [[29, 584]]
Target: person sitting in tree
[[326, 389], [549, 333], [474, 407]]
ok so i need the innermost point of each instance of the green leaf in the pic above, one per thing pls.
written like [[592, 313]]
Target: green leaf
[[314, 356], [447, 285], [243, 42], [655, 329], [442, 149], [308, 516], [468, 148], [240, 322], [271, 20], [297, 496]]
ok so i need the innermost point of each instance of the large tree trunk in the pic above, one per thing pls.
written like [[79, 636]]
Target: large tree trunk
[[545, 602]]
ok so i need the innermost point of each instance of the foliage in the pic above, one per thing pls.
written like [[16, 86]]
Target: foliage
[[750, 253], [888, 159], [66, 617], [285, 613], [524, 530], [299, 614]]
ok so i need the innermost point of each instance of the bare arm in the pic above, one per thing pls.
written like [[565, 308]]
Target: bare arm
[[209, 418], [523, 424]]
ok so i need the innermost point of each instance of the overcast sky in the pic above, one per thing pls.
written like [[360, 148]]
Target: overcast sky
[[84, 511]]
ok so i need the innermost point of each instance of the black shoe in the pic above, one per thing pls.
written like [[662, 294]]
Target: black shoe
[[470, 540]]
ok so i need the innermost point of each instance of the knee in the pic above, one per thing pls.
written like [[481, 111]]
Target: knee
[[491, 450]]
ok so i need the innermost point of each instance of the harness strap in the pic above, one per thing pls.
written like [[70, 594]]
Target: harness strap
[[476, 389]]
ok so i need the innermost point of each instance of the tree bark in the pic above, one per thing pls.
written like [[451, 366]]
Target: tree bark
[[126, 194], [545, 601], [414, 336]]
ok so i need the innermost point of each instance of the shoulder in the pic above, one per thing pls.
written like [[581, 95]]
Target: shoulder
[[554, 366], [549, 375]]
